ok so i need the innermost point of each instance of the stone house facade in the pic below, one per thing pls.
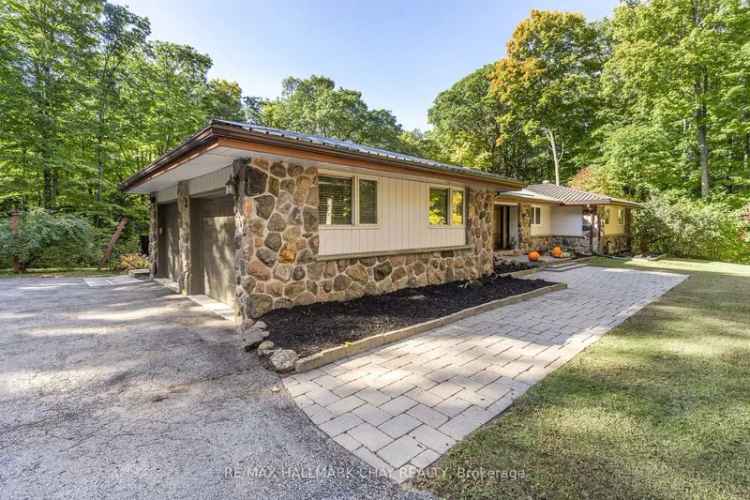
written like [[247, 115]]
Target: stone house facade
[[255, 200]]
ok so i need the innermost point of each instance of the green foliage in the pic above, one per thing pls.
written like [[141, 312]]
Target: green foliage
[[671, 224], [315, 106], [466, 120], [549, 84], [678, 88], [42, 236]]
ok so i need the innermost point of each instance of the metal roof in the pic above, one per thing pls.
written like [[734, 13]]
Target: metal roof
[[525, 194], [352, 147], [552, 193], [568, 196]]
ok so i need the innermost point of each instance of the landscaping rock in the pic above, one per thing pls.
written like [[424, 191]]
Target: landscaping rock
[[266, 348], [283, 360], [252, 334]]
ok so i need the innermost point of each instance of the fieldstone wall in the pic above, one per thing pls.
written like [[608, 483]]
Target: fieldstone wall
[[153, 236], [277, 244], [578, 244], [183, 219], [524, 227]]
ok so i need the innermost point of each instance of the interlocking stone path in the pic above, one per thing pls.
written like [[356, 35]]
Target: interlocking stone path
[[400, 407]]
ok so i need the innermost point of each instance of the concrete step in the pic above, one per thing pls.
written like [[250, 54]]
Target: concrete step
[[568, 267]]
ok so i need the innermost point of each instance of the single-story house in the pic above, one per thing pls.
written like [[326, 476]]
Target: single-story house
[[541, 216], [262, 218]]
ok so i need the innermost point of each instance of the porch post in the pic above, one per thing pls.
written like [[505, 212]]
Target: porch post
[[153, 236], [183, 219]]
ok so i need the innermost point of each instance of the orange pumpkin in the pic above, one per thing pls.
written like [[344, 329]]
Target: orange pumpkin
[[557, 252], [533, 256]]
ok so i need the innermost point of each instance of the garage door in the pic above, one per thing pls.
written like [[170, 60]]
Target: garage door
[[169, 238], [217, 244]]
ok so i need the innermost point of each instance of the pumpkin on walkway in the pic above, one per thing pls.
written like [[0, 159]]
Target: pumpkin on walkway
[[533, 256], [557, 252]]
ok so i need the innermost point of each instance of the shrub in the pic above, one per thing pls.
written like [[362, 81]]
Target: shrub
[[132, 261], [42, 236], [685, 228]]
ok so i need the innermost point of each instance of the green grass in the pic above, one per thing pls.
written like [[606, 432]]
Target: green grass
[[74, 272], [659, 408]]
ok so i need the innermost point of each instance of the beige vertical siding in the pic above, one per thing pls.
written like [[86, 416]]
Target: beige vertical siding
[[402, 221], [545, 228]]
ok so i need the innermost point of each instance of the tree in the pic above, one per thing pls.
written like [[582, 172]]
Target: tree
[[466, 120], [549, 81], [316, 106], [677, 78], [120, 34], [223, 100], [50, 44]]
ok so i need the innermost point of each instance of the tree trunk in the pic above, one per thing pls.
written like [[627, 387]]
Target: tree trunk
[[17, 266], [701, 112], [553, 146], [702, 134], [111, 245]]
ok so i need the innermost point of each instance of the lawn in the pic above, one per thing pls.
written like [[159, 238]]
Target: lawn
[[61, 272], [659, 408]]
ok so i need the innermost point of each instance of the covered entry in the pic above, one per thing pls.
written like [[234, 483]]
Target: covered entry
[[506, 227], [213, 250], [169, 242]]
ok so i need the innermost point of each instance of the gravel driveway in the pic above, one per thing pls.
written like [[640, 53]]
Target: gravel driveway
[[131, 391]]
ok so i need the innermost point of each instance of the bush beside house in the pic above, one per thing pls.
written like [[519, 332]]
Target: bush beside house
[[681, 227]]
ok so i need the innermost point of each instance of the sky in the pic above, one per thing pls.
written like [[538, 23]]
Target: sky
[[399, 54]]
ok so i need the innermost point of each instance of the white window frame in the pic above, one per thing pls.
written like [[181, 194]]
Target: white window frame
[[449, 216], [536, 221], [355, 201]]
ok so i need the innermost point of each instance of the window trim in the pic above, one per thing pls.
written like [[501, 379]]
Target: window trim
[[536, 221], [449, 216], [355, 201]]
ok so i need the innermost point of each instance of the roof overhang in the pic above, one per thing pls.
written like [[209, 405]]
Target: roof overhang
[[526, 196], [218, 145]]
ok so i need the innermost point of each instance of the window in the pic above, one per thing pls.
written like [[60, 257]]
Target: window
[[335, 201], [368, 201], [447, 206], [620, 216], [536, 216], [439, 206], [606, 215], [457, 206]]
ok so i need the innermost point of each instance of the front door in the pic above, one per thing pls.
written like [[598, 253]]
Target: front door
[[502, 228]]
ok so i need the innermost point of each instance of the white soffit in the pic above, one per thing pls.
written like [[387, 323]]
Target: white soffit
[[213, 160], [206, 163]]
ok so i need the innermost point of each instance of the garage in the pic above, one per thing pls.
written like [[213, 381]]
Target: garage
[[215, 256], [169, 238]]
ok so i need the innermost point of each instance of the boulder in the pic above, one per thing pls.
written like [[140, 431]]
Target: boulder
[[283, 360]]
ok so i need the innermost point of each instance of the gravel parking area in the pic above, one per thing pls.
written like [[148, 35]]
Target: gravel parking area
[[126, 390]]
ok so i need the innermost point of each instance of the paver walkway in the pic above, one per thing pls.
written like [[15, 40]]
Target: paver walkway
[[400, 407]]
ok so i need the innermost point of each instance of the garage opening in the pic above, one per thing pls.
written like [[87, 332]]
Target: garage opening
[[213, 248], [169, 238]]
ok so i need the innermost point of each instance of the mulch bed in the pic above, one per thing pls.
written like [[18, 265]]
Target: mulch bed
[[310, 329]]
